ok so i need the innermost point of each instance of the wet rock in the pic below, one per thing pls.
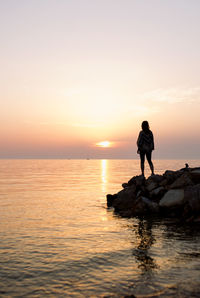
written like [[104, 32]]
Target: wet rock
[[110, 199], [125, 198], [125, 213], [172, 198], [139, 207]]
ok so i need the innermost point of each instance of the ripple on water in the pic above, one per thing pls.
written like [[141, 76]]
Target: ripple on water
[[58, 239]]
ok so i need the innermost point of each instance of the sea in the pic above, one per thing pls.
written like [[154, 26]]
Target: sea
[[59, 239]]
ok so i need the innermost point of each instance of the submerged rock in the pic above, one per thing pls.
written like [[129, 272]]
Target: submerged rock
[[175, 192]]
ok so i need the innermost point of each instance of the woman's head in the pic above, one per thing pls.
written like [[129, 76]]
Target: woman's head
[[145, 126]]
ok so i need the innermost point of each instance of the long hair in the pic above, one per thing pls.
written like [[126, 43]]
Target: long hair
[[145, 126]]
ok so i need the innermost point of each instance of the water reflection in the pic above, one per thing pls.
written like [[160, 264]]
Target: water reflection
[[104, 174], [144, 234]]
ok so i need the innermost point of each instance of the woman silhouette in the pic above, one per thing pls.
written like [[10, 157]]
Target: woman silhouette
[[145, 143]]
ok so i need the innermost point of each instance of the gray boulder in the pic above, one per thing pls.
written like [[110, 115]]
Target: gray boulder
[[172, 198]]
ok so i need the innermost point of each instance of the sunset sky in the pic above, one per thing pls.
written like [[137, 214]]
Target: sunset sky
[[76, 73]]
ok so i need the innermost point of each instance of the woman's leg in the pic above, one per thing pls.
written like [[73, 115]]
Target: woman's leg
[[142, 159], [148, 154]]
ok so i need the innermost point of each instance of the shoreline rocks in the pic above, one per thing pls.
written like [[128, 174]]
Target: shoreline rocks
[[173, 194]]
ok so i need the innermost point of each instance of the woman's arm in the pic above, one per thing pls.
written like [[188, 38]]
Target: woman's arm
[[152, 142]]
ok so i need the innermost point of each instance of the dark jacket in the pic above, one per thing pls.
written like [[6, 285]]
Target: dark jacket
[[145, 141]]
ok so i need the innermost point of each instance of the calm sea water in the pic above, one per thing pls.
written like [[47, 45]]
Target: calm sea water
[[58, 239]]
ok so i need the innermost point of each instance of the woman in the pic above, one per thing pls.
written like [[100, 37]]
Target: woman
[[145, 145]]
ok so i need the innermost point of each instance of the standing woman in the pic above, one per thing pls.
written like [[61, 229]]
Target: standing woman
[[145, 143]]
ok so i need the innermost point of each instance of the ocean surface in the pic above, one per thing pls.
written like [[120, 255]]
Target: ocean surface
[[58, 239]]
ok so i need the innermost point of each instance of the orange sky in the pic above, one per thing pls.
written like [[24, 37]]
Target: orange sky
[[76, 73]]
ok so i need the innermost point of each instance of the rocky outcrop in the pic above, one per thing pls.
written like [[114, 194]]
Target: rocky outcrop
[[175, 193]]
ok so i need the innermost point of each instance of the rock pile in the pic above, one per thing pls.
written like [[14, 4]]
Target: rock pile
[[175, 193]]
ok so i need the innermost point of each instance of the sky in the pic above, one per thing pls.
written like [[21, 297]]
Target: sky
[[75, 73]]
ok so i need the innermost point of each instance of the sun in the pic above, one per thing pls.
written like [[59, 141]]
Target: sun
[[104, 144]]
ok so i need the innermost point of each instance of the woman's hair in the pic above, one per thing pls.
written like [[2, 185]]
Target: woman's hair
[[145, 126]]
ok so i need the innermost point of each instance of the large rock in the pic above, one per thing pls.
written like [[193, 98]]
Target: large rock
[[150, 205], [137, 180], [182, 181], [175, 193], [192, 198], [139, 207], [125, 198], [195, 175], [171, 176], [110, 199], [157, 192], [172, 198], [153, 182]]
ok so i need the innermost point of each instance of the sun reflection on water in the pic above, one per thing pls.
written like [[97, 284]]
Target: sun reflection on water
[[104, 174]]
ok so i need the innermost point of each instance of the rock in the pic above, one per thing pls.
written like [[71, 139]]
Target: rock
[[182, 181], [151, 206], [156, 178], [186, 167], [139, 207], [195, 175], [153, 182], [157, 192], [175, 193], [125, 198], [125, 213], [192, 198], [197, 219], [137, 180], [110, 199], [124, 185], [164, 182], [171, 176], [172, 198], [151, 185]]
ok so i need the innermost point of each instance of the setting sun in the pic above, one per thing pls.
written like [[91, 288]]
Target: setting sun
[[104, 144]]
